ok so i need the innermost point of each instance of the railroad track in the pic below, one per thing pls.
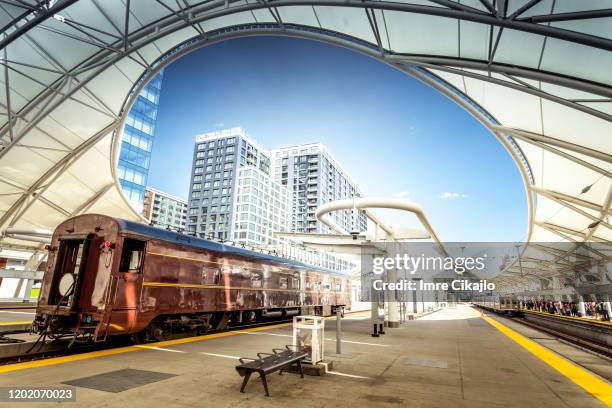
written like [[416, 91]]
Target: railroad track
[[597, 347], [572, 338], [62, 349]]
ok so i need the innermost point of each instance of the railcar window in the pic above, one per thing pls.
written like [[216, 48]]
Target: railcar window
[[73, 252], [283, 282], [256, 280], [72, 256], [132, 256]]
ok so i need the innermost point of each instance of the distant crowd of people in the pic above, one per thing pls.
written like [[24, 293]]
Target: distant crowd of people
[[593, 310]]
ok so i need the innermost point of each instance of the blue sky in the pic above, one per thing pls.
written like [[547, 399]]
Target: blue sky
[[395, 136]]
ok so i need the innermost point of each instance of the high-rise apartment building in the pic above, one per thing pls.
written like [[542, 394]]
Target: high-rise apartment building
[[234, 196], [165, 210], [137, 142], [261, 208], [216, 159], [314, 177]]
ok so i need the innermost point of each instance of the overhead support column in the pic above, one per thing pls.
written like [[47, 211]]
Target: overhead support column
[[393, 235], [581, 306], [392, 304], [27, 295]]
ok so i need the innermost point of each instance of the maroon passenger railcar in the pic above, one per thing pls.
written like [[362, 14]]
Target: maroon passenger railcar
[[108, 276]]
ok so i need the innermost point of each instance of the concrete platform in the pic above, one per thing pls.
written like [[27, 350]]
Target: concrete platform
[[452, 358], [18, 305], [592, 361], [16, 315], [15, 319]]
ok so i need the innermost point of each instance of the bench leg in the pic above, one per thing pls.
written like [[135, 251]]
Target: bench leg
[[299, 363], [245, 381], [265, 384], [280, 372]]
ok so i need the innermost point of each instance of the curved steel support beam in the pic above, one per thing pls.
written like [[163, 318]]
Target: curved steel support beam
[[530, 136], [500, 136], [209, 10], [527, 89], [33, 193], [39, 15], [38, 232], [365, 203], [535, 74]]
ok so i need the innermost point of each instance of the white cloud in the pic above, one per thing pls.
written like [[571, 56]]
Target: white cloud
[[402, 194], [452, 196], [219, 124]]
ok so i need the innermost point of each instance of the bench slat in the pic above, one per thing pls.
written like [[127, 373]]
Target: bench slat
[[269, 364]]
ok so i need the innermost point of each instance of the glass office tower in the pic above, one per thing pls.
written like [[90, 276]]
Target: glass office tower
[[137, 142]]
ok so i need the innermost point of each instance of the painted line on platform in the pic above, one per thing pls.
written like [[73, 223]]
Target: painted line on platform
[[220, 355], [14, 323], [127, 349], [269, 334], [360, 342], [13, 312], [144, 347], [327, 371], [120, 350], [326, 339], [592, 384], [325, 364], [348, 375]]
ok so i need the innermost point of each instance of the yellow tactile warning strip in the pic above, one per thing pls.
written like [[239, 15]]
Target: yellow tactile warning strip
[[594, 385], [121, 350], [14, 323]]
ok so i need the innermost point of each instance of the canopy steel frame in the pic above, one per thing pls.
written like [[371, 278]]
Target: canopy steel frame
[[124, 44], [450, 9], [198, 8]]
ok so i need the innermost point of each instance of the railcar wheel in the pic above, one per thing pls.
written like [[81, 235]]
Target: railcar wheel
[[158, 333], [154, 332], [251, 316], [139, 338]]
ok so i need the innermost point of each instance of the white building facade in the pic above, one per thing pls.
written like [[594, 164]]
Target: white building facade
[[314, 177], [165, 210], [261, 208]]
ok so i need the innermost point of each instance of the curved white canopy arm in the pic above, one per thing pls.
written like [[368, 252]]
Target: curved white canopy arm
[[366, 203]]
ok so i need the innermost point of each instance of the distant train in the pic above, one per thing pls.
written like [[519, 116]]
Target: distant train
[[106, 277]]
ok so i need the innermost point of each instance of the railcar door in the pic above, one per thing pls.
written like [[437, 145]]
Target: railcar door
[[129, 280]]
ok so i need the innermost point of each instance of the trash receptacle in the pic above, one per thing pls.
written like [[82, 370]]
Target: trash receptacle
[[308, 332]]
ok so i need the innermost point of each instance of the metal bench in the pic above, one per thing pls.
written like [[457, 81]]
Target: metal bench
[[267, 363]]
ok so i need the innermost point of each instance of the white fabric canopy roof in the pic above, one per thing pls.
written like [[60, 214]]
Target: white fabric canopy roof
[[538, 73]]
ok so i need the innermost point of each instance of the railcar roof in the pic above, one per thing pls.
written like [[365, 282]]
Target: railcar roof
[[190, 241]]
